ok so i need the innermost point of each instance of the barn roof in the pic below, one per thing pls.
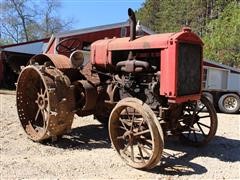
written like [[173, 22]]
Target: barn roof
[[30, 47], [40, 46], [100, 28]]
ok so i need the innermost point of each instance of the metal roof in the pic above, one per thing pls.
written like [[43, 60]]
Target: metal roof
[[39, 46], [99, 28], [237, 70], [34, 47]]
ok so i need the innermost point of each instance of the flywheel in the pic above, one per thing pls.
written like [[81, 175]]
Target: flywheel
[[45, 102]]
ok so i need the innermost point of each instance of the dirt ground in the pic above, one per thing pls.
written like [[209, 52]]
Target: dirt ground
[[86, 153]]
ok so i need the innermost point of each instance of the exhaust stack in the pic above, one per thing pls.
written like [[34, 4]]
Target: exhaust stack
[[133, 24]]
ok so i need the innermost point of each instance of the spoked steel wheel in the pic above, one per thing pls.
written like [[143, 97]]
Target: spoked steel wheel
[[136, 134], [43, 111], [199, 124]]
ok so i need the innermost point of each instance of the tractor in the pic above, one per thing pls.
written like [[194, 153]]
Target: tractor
[[144, 88]]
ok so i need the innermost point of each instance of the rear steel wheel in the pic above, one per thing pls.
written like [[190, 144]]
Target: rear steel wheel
[[44, 102], [136, 134], [199, 125]]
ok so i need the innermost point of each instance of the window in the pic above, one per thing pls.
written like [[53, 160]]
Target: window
[[86, 46], [123, 32]]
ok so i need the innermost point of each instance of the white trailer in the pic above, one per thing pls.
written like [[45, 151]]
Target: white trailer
[[221, 84]]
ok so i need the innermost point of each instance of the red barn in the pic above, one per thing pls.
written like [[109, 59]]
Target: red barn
[[89, 35], [13, 56]]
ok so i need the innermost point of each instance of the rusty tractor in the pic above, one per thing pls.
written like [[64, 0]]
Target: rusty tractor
[[145, 88]]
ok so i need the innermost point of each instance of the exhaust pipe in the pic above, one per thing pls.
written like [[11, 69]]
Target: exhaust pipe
[[133, 24]]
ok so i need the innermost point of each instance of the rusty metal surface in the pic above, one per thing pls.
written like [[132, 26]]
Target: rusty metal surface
[[85, 95], [135, 82], [135, 134], [133, 24], [57, 60], [44, 102], [87, 72], [67, 46]]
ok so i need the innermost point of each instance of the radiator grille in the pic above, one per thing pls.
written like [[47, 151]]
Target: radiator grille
[[189, 69]]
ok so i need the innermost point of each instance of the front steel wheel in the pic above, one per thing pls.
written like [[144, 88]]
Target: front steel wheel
[[136, 134], [199, 125]]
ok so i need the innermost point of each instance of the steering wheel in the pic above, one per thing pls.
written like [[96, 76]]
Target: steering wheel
[[68, 45]]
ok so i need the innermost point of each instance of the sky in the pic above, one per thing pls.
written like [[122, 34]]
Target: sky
[[90, 13]]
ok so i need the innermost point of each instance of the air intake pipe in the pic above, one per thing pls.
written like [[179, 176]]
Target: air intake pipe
[[133, 24]]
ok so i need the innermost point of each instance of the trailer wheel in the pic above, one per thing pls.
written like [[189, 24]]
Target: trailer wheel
[[136, 133], [199, 125], [229, 103]]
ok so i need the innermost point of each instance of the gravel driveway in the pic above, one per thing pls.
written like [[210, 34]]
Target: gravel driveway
[[86, 153]]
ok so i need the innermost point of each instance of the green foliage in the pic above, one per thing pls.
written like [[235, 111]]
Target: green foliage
[[166, 16], [222, 40], [216, 21], [148, 13]]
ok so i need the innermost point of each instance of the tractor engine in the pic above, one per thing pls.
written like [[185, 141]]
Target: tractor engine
[[145, 88]]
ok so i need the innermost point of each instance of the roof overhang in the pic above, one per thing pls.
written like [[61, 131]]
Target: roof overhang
[[100, 28], [223, 66]]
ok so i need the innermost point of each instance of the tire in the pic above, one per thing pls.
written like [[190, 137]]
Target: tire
[[229, 103]]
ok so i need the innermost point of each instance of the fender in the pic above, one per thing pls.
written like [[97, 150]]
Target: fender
[[57, 60]]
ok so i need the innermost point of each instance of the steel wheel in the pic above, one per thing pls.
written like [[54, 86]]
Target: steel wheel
[[199, 125], [208, 96], [136, 134], [43, 111]]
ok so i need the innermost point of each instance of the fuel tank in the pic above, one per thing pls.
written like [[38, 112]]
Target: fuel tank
[[103, 51]]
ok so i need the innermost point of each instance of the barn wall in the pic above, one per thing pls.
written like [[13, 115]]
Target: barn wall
[[10, 63], [93, 36]]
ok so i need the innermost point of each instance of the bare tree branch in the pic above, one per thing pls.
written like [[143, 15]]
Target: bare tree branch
[[9, 33], [26, 20]]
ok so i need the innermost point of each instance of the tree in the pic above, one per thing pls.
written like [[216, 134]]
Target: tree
[[216, 21], [169, 16], [51, 23], [222, 40], [25, 20], [148, 13]]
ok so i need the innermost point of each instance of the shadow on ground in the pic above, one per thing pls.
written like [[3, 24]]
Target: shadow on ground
[[85, 137], [222, 148], [178, 162]]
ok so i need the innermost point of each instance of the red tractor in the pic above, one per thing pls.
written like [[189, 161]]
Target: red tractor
[[145, 88]]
